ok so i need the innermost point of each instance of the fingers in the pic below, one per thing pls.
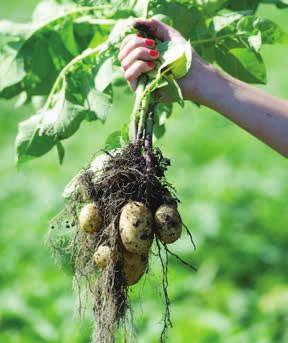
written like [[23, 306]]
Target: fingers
[[136, 57], [132, 42], [143, 54], [137, 69], [128, 38], [137, 54]]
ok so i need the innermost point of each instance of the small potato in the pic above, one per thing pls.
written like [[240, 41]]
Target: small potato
[[133, 267], [90, 218], [103, 256], [135, 227], [168, 224]]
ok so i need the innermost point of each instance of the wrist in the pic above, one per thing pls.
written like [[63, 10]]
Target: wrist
[[201, 82]]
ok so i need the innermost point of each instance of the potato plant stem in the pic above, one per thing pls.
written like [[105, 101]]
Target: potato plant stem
[[148, 142], [143, 117], [136, 109]]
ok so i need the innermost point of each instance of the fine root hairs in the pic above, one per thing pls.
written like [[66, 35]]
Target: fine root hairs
[[123, 178]]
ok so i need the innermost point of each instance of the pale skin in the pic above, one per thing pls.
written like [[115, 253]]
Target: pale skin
[[261, 114]]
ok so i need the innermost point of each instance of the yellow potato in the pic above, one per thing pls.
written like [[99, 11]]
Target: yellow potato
[[90, 218], [103, 256], [168, 224], [135, 227], [133, 267]]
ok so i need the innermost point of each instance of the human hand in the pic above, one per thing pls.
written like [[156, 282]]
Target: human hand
[[138, 55]]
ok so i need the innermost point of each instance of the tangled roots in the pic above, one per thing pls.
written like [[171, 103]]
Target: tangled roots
[[124, 177]]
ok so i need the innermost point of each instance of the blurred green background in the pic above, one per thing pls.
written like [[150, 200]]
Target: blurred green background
[[234, 192]]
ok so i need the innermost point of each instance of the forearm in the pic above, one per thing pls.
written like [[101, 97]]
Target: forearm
[[259, 113]]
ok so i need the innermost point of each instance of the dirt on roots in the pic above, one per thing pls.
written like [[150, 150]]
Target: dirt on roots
[[123, 178]]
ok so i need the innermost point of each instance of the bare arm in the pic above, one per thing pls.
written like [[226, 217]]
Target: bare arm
[[261, 114]]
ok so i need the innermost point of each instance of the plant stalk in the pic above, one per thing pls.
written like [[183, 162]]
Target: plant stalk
[[143, 117], [135, 115], [148, 142]]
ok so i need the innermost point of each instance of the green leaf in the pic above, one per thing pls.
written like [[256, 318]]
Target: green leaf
[[180, 17], [58, 52], [271, 32], [58, 120], [125, 134], [173, 91], [100, 103], [41, 50], [141, 8], [12, 69], [120, 30], [162, 113], [243, 5], [176, 57], [164, 18], [255, 41], [29, 142], [212, 6], [10, 31], [91, 31], [242, 63], [48, 10], [41, 63], [12, 65], [61, 152], [104, 76], [221, 22], [113, 141], [282, 2], [118, 139], [68, 38]]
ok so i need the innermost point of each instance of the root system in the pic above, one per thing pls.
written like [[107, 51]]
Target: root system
[[124, 177]]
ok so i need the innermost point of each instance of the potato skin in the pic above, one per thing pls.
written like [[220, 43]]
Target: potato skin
[[133, 267], [135, 227], [168, 224], [90, 218], [103, 256]]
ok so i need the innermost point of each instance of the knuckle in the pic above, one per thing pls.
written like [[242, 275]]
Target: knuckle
[[121, 55], [141, 65], [128, 76], [128, 38], [134, 41], [139, 52], [154, 22], [125, 65]]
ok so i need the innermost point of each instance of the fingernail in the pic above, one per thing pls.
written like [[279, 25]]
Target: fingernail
[[154, 53], [151, 64], [149, 42]]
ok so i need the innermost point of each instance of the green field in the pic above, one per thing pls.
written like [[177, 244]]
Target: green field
[[234, 195]]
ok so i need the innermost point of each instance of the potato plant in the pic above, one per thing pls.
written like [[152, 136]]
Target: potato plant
[[65, 63]]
